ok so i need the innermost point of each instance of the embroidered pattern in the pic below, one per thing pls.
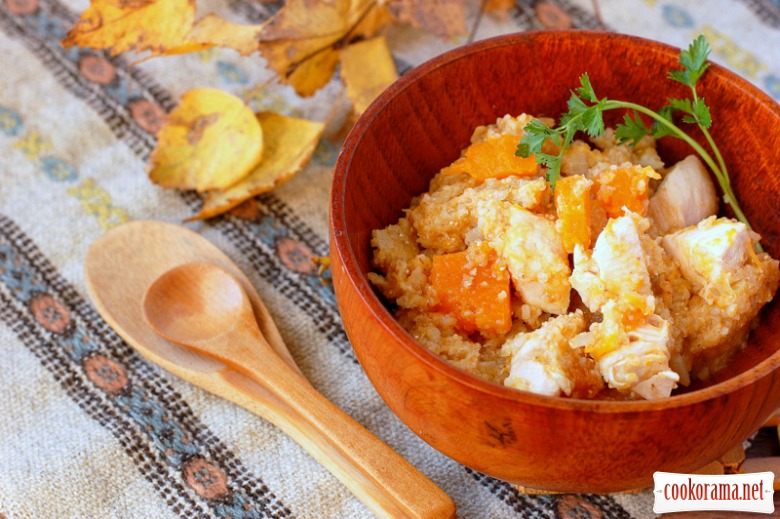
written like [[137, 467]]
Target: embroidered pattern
[[591, 506], [734, 55], [97, 202], [767, 11], [39, 150]]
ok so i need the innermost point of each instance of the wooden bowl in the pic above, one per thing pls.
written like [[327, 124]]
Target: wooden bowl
[[419, 125]]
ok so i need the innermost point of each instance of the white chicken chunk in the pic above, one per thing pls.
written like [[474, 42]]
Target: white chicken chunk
[[710, 255], [631, 343], [685, 197], [533, 252], [633, 360], [617, 269], [542, 361], [731, 282]]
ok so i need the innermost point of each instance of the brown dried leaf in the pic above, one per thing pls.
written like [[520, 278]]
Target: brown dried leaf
[[302, 41], [137, 25], [210, 141], [288, 146], [443, 18], [367, 68]]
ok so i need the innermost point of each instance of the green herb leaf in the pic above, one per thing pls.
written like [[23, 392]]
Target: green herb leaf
[[536, 132], [592, 120], [586, 90], [660, 129], [697, 110], [682, 105], [695, 57], [576, 107], [702, 112], [632, 129], [553, 162], [693, 62]]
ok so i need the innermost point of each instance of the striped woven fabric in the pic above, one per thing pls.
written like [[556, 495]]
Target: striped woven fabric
[[88, 428]]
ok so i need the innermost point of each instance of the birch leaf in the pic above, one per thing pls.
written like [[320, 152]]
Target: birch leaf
[[137, 25], [210, 141], [288, 145], [303, 40], [367, 69]]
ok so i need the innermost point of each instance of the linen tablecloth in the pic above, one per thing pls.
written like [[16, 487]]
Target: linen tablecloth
[[88, 428]]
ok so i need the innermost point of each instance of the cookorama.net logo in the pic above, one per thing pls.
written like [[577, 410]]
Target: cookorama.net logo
[[734, 492]]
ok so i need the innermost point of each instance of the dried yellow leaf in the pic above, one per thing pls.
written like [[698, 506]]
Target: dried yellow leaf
[[367, 68], [443, 18], [213, 30], [185, 48], [210, 141], [289, 144], [138, 25], [303, 40]]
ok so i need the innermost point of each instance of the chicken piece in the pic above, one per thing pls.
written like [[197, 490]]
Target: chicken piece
[[711, 254], [616, 271], [533, 252], [685, 197], [731, 282], [542, 361], [585, 279], [634, 360], [672, 292]]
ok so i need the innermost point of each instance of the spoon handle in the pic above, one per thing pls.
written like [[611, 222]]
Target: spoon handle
[[383, 480]]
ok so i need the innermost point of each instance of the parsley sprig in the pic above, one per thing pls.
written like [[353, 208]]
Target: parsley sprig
[[586, 111]]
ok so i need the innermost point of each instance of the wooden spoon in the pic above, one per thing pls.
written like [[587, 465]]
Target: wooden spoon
[[124, 262]]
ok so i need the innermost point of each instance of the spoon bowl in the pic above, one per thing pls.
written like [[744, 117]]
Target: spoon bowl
[[176, 303], [203, 308]]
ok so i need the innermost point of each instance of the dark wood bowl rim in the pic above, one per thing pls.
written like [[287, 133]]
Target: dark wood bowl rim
[[386, 320]]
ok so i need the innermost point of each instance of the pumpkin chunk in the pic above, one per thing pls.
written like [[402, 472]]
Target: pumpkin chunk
[[624, 186], [494, 158], [573, 205], [473, 286]]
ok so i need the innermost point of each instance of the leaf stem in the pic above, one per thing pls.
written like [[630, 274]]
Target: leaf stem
[[710, 140]]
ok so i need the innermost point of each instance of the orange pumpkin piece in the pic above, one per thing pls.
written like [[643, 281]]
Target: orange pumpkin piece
[[473, 286], [494, 158], [624, 186], [573, 205]]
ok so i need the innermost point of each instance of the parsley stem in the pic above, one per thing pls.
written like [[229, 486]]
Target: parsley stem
[[710, 140]]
